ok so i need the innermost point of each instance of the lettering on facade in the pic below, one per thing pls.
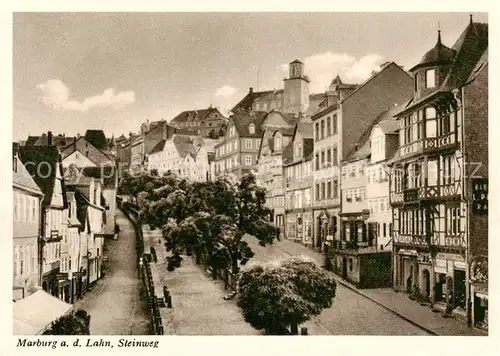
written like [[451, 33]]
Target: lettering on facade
[[480, 196]]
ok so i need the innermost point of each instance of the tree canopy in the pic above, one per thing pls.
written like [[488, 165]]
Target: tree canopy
[[284, 294], [208, 219], [77, 323]]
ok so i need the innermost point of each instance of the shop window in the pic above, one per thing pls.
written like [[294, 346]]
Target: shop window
[[351, 264]]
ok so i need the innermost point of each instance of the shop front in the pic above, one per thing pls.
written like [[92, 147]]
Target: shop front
[[299, 227], [50, 283], [326, 225], [479, 292]]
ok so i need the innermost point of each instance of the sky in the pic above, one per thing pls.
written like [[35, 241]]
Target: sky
[[113, 71]]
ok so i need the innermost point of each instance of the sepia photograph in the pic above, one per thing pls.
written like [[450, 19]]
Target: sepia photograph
[[249, 173]]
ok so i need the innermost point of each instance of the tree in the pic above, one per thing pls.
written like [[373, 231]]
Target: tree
[[284, 294], [77, 323]]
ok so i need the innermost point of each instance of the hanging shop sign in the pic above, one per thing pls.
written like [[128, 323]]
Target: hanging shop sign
[[480, 196]]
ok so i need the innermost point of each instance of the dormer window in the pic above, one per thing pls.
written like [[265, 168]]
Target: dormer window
[[277, 143], [430, 78], [231, 131], [251, 129]]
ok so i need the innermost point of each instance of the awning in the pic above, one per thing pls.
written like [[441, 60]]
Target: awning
[[34, 314]]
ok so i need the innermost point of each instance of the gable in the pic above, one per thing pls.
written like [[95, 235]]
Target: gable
[[376, 132], [274, 119], [78, 159]]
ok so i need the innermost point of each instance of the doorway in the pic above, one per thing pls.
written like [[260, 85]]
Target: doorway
[[459, 288], [344, 267], [426, 283]]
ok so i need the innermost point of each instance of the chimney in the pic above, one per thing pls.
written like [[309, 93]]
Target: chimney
[[77, 135], [49, 138], [250, 91]]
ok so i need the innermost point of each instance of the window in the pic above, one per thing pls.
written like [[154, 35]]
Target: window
[[322, 129], [277, 143], [453, 220], [77, 155], [317, 161], [251, 129], [257, 143], [248, 160], [322, 158], [33, 210], [317, 131], [335, 158], [329, 156], [248, 144], [335, 189], [448, 170], [328, 126], [430, 122], [430, 78], [323, 190], [351, 264], [21, 262], [222, 148], [432, 172], [334, 124], [329, 189], [231, 131], [317, 192], [298, 150], [34, 253]]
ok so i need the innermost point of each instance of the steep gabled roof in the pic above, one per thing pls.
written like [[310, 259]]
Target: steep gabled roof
[[31, 140], [159, 147], [42, 163], [249, 99], [483, 61], [97, 138], [195, 115], [69, 149], [184, 145], [22, 179], [243, 120], [470, 46]]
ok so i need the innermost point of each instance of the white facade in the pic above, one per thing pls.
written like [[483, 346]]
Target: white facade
[[79, 159]]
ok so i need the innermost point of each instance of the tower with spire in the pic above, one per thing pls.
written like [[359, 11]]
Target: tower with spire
[[431, 71]]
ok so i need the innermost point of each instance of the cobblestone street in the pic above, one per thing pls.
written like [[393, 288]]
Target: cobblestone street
[[114, 302]]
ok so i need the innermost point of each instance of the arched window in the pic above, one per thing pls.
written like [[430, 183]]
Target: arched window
[[251, 129]]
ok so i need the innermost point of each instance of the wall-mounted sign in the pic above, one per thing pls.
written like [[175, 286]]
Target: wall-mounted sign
[[480, 196]]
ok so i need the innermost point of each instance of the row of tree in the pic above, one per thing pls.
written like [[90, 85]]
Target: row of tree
[[205, 219], [209, 220]]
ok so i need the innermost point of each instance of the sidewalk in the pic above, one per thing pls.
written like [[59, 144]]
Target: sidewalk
[[198, 302], [397, 303]]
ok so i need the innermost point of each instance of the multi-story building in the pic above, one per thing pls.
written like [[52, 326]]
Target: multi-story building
[[277, 131], [45, 166], [363, 254], [443, 134], [91, 214], [337, 130], [71, 252], [207, 122], [294, 98], [186, 156], [236, 153], [83, 153], [26, 229], [384, 142], [297, 169]]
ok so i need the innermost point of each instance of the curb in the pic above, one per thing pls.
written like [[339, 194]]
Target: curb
[[427, 330]]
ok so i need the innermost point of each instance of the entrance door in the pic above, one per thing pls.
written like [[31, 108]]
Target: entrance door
[[426, 283], [459, 288], [344, 267]]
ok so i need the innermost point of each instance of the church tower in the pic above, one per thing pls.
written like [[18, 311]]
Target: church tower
[[296, 89]]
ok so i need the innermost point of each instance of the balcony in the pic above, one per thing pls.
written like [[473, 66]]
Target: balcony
[[429, 145], [413, 240], [353, 247], [419, 194]]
